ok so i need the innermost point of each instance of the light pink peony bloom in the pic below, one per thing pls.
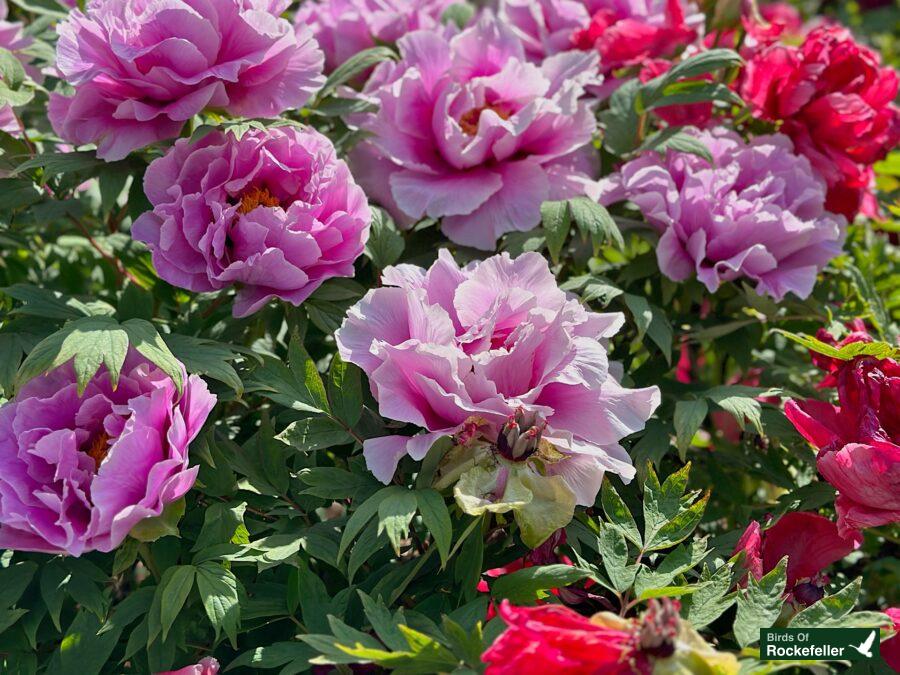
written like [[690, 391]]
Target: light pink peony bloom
[[141, 69], [758, 213], [344, 27], [470, 132], [207, 666], [77, 473], [275, 212], [13, 39], [459, 351]]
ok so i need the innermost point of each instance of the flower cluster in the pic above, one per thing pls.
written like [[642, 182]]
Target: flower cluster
[[832, 96], [756, 212], [13, 39], [467, 130], [141, 70], [859, 439], [78, 470], [274, 211], [496, 355]]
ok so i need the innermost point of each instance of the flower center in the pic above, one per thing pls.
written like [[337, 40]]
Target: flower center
[[659, 628], [468, 121], [257, 196], [98, 449], [520, 437]]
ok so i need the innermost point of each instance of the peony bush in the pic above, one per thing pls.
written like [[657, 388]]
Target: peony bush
[[508, 336]]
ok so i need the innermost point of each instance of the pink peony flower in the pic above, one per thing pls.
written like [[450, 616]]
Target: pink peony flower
[[141, 69], [629, 32], [890, 649], [13, 39], [207, 666], [275, 211], [77, 473], [554, 638], [758, 213], [810, 541], [834, 99], [624, 32], [470, 132], [344, 27], [858, 441], [494, 350]]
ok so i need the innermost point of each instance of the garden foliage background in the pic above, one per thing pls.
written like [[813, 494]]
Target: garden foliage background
[[270, 545]]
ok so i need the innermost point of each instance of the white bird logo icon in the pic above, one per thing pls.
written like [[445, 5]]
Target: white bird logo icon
[[866, 647]]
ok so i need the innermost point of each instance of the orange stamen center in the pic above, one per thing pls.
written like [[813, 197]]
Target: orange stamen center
[[257, 196], [468, 121], [99, 449]]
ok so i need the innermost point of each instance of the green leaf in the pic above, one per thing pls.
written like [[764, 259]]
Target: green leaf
[[345, 391], [759, 605], [651, 321], [614, 551], [672, 138], [355, 65], [147, 341], [90, 341], [394, 515], [171, 594], [54, 578], [363, 514], [689, 415], [206, 357], [556, 221], [618, 514], [385, 625], [459, 13], [526, 585], [218, 588], [385, 244], [879, 350], [436, 517], [314, 433], [12, 74], [297, 386], [836, 611], [621, 120], [13, 582], [594, 221], [711, 598], [163, 525], [679, 561]]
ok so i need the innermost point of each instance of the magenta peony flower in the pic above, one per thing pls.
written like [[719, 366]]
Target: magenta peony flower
[[207, 666], [833, 97], [77, 473], [344, 27], [758, 213], [141, 69], [275, 211], [470, 132], [858, 440], [810, 541], [494, 351]]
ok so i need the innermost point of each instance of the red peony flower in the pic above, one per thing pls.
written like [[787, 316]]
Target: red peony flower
[[834, 99], [810, 541], [831, 365], [559, 639], [858, 441]]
